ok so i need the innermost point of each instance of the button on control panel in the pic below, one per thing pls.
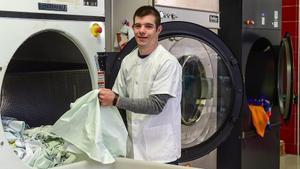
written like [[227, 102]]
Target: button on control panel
[[90, 2]]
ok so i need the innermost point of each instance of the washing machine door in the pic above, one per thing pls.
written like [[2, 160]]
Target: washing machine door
[[212, 86], [285, 77]]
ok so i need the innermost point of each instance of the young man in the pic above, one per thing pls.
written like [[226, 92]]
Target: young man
[[148, 86]]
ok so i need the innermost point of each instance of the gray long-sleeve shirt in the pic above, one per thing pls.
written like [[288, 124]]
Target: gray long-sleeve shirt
[[152, 105]]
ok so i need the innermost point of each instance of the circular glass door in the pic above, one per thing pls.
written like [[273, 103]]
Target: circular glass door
[[212, 86], [199, 93]]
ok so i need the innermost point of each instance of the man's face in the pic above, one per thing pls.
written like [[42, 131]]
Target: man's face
[[145, 31]]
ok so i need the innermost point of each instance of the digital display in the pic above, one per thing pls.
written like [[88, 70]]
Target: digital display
[[90, 2]]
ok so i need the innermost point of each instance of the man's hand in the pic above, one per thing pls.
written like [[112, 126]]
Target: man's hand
[[106, 97]]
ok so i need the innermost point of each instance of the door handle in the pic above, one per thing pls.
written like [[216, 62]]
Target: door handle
[[295, 99]]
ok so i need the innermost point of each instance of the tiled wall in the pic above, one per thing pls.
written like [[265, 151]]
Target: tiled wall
[[290, 23]]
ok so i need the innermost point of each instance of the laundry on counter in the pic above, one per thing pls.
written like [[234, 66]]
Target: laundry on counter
[[53, 150], [13, 129], [85, 131], [38, 147], [260, 112], [97, 131]]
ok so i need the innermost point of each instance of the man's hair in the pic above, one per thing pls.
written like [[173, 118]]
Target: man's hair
[[148, 10]]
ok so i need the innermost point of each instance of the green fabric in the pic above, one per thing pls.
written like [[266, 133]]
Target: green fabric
[[52, 152], [97, 131]]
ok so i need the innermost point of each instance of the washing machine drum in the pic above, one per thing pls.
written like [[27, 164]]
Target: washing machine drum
[[212, 86]]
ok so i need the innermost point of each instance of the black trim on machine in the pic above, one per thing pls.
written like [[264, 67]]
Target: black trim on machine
[[13, 14], [285, 92]]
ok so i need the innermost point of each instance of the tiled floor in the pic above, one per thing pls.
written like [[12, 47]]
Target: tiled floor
[[290, 162]]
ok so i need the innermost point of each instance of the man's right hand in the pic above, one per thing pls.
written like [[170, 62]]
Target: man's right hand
[[106, 97]]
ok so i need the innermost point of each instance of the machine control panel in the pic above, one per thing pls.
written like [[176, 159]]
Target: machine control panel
[[66, 7], [207, 19], [267, 14]]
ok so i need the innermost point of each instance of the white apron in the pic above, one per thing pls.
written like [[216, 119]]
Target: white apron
[[154, 137]]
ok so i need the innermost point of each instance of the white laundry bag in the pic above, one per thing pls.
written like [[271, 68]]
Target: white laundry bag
[[97, 131]]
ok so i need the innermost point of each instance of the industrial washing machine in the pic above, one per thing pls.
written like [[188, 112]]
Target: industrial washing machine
[[47, 52], [252, 29], [212, 82], [212, 87], [217, 129], [47, 61], [197, 125]]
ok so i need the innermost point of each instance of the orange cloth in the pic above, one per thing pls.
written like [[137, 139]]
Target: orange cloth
[[259, 119]]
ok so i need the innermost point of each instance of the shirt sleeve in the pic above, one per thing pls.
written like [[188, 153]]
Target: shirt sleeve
[[152, 105], [168, 78]]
